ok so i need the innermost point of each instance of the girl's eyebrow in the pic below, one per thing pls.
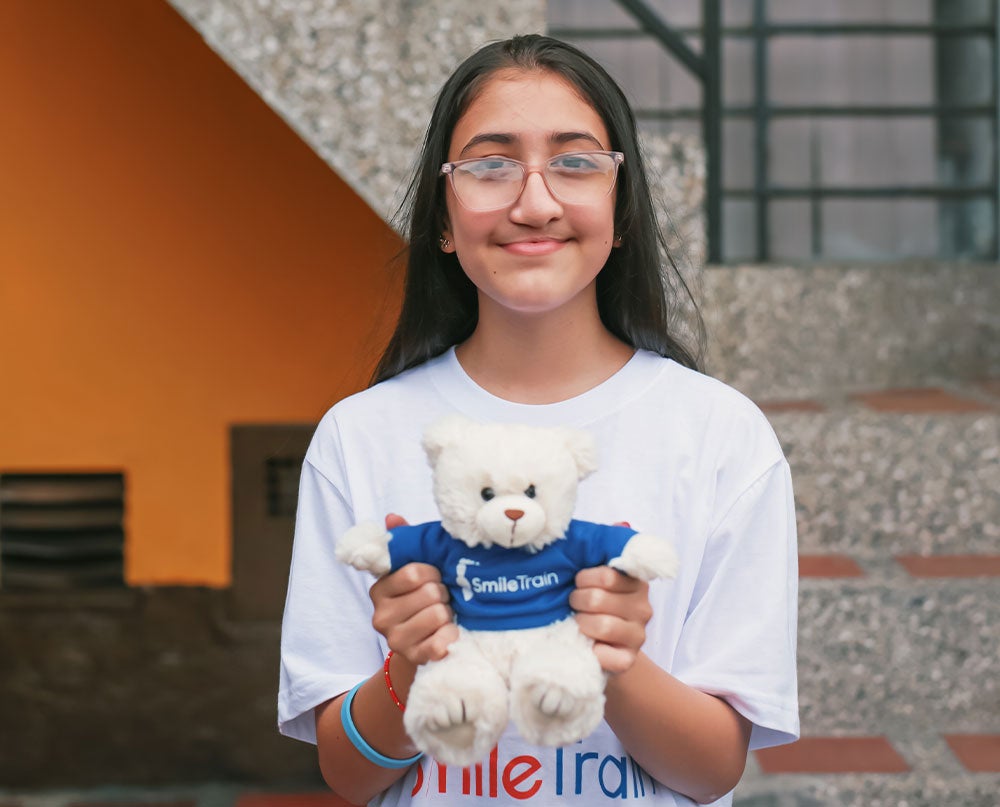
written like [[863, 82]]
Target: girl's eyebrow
[[489, 137], [506, 138], [569, 137]]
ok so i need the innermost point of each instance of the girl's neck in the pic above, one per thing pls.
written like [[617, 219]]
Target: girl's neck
[[540, 359]]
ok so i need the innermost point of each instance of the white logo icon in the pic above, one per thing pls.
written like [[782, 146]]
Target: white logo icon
[[462, 580]]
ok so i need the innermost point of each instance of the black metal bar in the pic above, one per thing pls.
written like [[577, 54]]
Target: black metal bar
[[867, 110], [711, 126], [787, 111], [608, 33], [815, 199], [671, 40], [865, 29], [761, 207], [860, 192], [749, 32], [996, 133]]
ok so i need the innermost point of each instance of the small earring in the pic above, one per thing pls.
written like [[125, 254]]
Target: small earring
[[445, 243], [618, 240]]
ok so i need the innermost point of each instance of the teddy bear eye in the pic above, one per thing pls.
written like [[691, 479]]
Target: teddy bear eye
[[487, 494], [530, 492]]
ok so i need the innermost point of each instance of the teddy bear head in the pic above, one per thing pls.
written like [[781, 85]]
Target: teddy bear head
[[506, 484]]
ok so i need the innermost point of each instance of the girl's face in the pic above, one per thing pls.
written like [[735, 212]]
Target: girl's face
[[538, 254]]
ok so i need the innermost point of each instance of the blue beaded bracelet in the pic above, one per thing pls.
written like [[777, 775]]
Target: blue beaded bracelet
[[361, 743]]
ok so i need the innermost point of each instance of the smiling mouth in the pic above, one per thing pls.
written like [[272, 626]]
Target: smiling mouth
[[541, 246]]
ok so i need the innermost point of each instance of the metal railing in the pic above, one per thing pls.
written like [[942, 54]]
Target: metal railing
[[706, 68]]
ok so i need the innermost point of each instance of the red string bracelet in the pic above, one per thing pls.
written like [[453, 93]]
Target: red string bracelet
[[388, 684]]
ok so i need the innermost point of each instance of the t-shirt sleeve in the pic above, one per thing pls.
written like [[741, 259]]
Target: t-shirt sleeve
[[739, 637], [327, 645], [597, 544], [418, 543]]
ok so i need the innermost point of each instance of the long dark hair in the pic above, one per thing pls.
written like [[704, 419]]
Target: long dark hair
[[637, 295]]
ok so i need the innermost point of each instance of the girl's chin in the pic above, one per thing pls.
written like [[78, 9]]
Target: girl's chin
[[533, 302]]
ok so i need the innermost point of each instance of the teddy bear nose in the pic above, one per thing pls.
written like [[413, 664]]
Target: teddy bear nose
[[513, 515]]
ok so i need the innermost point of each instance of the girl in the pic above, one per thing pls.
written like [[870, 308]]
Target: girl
[[534, 294]]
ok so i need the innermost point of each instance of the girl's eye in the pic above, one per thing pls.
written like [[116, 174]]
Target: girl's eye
[[530, 492], [492, 168], [575, 163], [487, 494]]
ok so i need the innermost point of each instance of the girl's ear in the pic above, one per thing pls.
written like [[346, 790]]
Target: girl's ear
[[445, 241], [618, 240]]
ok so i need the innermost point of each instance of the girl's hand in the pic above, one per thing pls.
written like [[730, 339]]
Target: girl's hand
[[613, 610], [412, 611]]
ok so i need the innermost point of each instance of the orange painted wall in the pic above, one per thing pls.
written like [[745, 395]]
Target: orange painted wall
[[173, 260]]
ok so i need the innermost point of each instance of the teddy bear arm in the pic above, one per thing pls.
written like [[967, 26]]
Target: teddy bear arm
[[366, 547], [646, 557]]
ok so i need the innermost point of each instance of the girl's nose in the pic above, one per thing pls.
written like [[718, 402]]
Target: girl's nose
[[536, 205]]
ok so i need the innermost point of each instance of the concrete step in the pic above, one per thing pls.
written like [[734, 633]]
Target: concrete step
[[897, 790], [787, 331], [902, 656], [874, 483]]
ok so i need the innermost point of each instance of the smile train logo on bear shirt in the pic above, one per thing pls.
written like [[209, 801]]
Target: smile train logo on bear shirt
[[514, 584]]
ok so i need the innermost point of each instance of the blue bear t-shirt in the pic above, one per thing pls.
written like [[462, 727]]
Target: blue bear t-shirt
[[508, 589]]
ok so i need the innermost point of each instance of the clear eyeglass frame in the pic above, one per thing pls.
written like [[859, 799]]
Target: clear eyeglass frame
[[448, 169]]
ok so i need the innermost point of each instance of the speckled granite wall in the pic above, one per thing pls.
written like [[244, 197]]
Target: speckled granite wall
[[780, 332], [675, 165], [356, 79]]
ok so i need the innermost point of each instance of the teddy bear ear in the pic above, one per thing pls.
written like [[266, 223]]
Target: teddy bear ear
[[443, 433], [583, 448]]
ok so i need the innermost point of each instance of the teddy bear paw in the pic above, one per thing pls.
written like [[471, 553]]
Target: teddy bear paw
[[556, 702], [366, 547], [552, 715], [456, 726]]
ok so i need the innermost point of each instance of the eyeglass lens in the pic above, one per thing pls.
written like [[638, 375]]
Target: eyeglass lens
[[494, 182]]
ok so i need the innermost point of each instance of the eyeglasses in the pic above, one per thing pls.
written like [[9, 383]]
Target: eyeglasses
[[576, 178]]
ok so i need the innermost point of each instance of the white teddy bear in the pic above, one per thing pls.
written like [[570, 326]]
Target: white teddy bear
[[508, 551]]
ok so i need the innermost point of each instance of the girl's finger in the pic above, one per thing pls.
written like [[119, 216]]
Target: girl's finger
[[613, 659], [606, 577], [404, 580], [407, 634], [610, 630], [392, 611], [631, 606], [435, 647]]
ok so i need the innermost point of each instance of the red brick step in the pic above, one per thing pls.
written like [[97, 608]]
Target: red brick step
[[979, 753], [833, 755]]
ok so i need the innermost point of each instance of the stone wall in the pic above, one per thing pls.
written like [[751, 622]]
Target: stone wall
[[139, 686]]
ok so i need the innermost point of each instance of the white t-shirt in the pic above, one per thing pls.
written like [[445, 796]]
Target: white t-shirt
[[680, 455]]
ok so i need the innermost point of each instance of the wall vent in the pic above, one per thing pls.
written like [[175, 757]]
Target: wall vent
[[61, 530], [283, 485]]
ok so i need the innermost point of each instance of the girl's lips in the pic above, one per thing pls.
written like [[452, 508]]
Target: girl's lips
[[544, 246]]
